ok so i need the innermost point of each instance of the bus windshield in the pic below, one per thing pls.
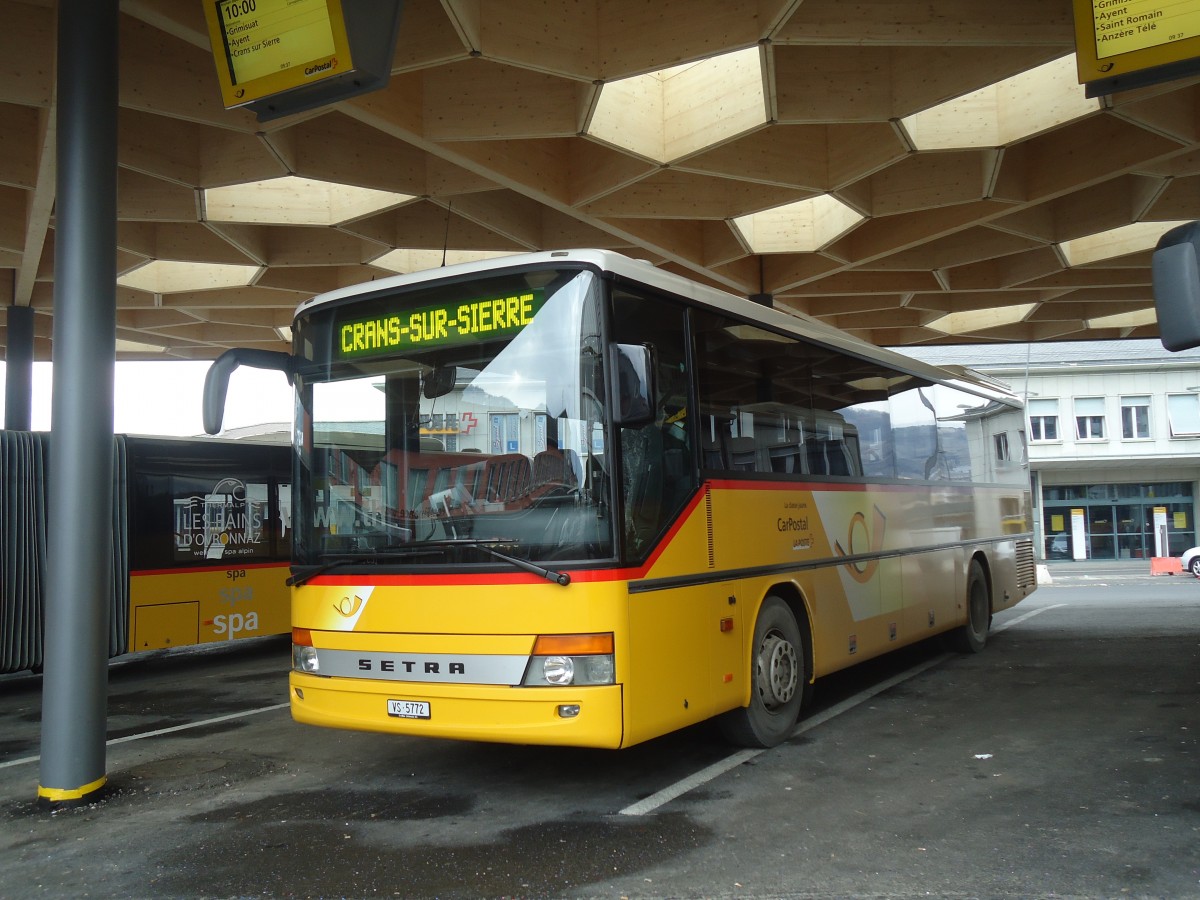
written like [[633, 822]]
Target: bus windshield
[[437, 424]]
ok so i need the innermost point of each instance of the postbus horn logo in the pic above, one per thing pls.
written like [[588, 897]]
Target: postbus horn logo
[[863, 570], [349, 606]]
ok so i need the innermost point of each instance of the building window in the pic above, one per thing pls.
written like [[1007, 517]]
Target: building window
[[1089, 418], [1135, 418], [1183, 412], [1001, 446], [1043, 420]]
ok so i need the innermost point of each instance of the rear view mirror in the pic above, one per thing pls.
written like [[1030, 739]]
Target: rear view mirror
[[633, 384], [216, 379], [438, 382], [1176, 274]]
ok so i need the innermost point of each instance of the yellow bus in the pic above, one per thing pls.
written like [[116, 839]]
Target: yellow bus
[[200, 544], [648, 503]]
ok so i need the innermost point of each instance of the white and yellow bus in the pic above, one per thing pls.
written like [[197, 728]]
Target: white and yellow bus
[[569, 498]]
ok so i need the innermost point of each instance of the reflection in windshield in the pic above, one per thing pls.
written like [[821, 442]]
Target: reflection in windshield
[[463, 441]]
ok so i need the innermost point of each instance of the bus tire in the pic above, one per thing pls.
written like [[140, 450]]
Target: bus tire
[[972, 637], [779, 678]]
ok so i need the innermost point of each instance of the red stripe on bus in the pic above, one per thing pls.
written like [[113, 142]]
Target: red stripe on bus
[[191, 570], [823, 487]]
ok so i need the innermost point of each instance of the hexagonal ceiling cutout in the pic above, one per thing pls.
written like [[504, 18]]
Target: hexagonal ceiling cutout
[[1027, 103], [1115, 242], [672, 113], [980, 319], [800, 227], [1135, 319], [292, 200], [165, 276]]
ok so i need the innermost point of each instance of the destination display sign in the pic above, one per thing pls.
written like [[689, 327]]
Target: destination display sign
[[432, 326], [264, 47], [1120, 44]]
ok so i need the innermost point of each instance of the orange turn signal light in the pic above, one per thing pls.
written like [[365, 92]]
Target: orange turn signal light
[[573, 644], [302, 636]]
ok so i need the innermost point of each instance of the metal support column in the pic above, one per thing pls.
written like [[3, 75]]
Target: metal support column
[[75, 684], [18, 369]]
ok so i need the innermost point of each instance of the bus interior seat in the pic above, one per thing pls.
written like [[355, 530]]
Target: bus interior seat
[[553, 466], [743, 454], [710, 454], [787, 456], [828, 457], [506, 477]]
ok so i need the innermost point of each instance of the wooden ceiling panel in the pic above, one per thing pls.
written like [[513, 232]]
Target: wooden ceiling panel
[[958, 249], [928, 180], [682, 195], [925, 23], [334, 147], [485, 123], [427, 37], [27, 51], [20, 128], [482, 100], [143, 198]]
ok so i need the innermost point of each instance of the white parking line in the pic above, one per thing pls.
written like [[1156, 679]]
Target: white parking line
[[669, 793], [1029, 615], [147, 734]]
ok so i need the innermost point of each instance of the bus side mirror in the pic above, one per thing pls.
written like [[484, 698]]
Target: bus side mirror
[[216, 379], [633, 391], [1176, 276]]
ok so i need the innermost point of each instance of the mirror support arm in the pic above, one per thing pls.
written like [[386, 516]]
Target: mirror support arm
[[216, 380]]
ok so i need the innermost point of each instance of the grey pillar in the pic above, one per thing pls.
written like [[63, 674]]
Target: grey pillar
[[18, 369], [75, 683]]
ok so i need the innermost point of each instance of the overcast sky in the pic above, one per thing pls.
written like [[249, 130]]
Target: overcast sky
[[165, 397]]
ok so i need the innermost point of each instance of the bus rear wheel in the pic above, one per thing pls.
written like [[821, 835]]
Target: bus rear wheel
[[972, 637], [779, 679]]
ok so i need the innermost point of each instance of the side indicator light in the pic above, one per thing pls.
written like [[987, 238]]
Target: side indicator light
[[727, 624]]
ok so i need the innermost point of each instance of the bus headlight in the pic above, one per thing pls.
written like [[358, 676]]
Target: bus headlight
[[558, 669], [560, 660], [304, 659]]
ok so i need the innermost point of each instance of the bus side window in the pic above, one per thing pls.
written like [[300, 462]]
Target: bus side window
[[657, 468]]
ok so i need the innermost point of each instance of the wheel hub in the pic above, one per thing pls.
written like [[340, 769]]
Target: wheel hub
[[778, 672]]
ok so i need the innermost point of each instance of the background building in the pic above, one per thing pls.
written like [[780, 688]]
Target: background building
[[1112, 435]]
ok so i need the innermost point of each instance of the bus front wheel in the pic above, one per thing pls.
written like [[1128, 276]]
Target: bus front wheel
[[778, 680], [972, 637]]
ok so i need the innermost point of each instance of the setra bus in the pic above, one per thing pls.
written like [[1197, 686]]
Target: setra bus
[[569, 498], [200, 543]]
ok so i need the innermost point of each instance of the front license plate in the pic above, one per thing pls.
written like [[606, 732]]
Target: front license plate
[[408, 709]]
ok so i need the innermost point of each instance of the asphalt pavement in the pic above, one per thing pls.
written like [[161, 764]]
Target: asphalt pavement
[[1060, 762]]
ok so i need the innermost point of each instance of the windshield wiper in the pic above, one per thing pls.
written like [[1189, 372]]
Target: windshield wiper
[[366, 556], [525, 565], [427, 547]]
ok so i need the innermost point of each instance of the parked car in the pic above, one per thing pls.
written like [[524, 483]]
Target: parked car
[[1191, 561]]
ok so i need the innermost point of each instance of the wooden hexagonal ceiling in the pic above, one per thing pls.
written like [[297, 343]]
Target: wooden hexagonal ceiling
[[495, 135]]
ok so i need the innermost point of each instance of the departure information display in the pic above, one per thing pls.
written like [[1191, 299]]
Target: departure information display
[[1122, 44], [263, 47], [432, 326]]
